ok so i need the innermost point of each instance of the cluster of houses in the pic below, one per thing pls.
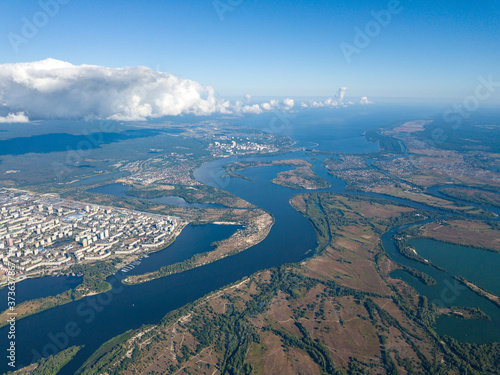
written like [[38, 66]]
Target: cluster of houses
[[45, 232]]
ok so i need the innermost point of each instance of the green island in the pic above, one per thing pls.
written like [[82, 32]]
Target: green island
[[422, 276], [50, 365], [487, 198], [192, 194], [480, 291], [464, 313], [300, 177]]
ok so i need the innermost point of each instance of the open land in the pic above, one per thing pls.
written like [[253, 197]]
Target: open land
[[463, 232]]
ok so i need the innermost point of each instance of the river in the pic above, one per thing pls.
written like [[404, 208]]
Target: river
[[94, 320], [101, 318]]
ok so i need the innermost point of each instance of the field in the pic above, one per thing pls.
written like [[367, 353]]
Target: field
[[482, 197], [349, 256], [464, 232]]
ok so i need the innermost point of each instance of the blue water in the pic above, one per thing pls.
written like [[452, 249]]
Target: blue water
[[41, 287], [449, 292], [195, 239], [57, 142], [476, 265], [340, 130]]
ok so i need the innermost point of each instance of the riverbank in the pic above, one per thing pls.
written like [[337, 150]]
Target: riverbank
[[480, 291], [256, 230]]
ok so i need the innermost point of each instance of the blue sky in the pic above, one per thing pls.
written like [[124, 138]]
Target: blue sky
[[431, 49]]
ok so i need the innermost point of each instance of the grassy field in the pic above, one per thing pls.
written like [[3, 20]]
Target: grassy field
[[464, 232]]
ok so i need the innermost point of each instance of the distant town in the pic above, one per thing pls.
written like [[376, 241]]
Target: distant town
[[227, 146], [43, 233]]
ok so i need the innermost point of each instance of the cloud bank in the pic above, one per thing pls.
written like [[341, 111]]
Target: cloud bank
[[54, 89], [14, 118], [365, 100], [336, 101]]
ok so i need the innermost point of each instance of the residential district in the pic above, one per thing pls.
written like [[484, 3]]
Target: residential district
[[45, 233]]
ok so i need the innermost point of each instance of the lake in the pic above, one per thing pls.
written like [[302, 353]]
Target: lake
[[458, 261]]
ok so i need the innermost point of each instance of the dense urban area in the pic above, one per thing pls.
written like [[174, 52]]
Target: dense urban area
[[45, 233]]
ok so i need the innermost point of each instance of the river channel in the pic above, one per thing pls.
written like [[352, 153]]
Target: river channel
[[94, 320]]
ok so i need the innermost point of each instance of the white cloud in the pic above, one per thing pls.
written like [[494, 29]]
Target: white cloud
[[266, 107], [364, 100], [255, 109], [336, 101], [56, 89], [53, 89], [272, 105], [14, 117], [341, 94], [289, 103], [238, 108]]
